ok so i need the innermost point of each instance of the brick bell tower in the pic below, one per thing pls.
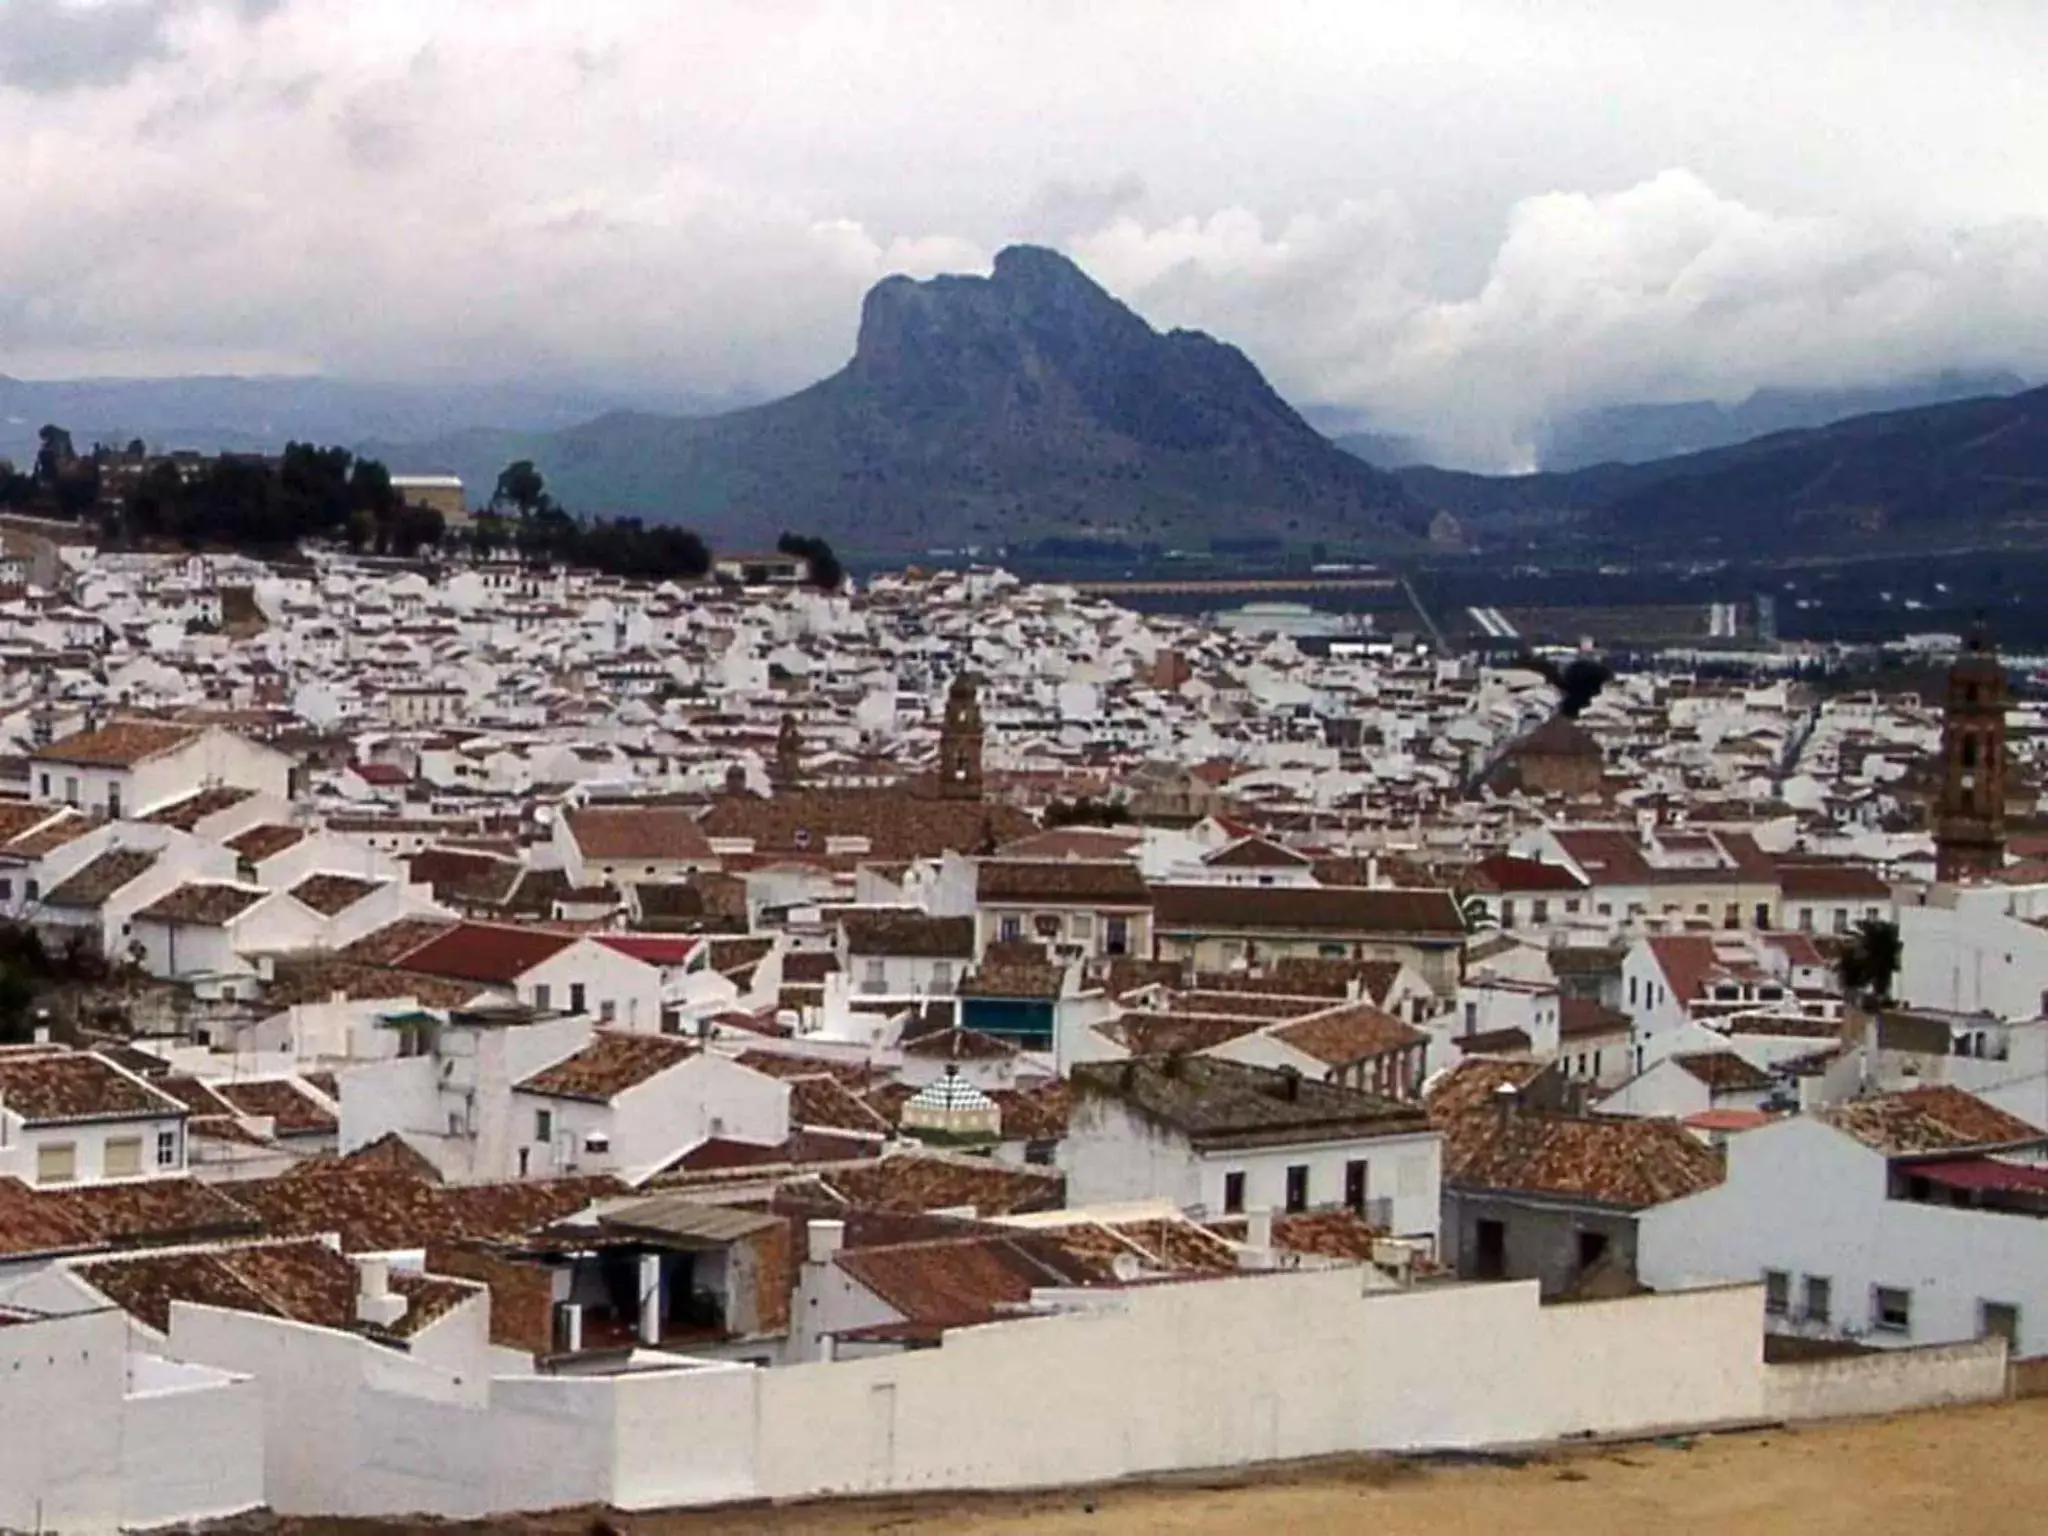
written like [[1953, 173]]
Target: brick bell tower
[[1969, 820], [961, 736]]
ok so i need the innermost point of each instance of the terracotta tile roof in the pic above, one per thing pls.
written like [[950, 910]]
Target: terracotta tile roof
[[1605, 1159], [394, 941], [1014, 979], [958, 1282], [119, 745], [613, 1062], [67, 827], [1496, 1042], [644, 833], [825, 1103], [1056, 881], [1073, 843], [1218, 1104], [933, 1182], [801, 1147], [1155, 1034], [17, 817], [1257, 853], [462, 878], [1933, 1119], [901, 931], [1610, 856], [1833, 882], [100, 878], [1034, 1114], [332, 894], [1346, 1035], [1511, 875], [1471, 1085], [1580, 1018], [294, 1112], [1325, 1234], [1246, 1004], [266, 841], [210, 905], [955, 1044], [128, 1214], [187, 813], [808, 969], [486, 952], [194, 1093], [382, 1210], [897, 825], [1724, 1071], [1384, 911], [53, 1088], [317, 978], [304, 1281]]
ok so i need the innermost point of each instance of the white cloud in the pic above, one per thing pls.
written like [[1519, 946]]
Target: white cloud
[[1376, 202]]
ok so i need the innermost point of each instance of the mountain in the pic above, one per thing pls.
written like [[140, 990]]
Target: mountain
[[1968, 470], [979, 410], [262, 414], [1635, 434]]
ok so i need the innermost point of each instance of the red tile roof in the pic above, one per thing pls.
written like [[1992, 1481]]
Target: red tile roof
[[643, 833], [1346, 1035], [486, 952], [122, 744], [613, 1062], [1934, 1119], [57, 1087], [652, 948]]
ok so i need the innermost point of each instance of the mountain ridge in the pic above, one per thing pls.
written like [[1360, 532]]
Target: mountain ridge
[[1028, 403]]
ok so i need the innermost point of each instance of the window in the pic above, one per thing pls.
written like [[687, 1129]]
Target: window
[[167, 1149], [1763, 914], [543, 1125], [1539, 910], [1806, 919], [576, 997], [123, 1157], [71, 789], [1592, 1249], [1490, 1250], [1357, 1185], [1083, 925], [607, 1011], [6, 890], [543, 997], [1731, 917], [1632, 991], [1891, 1309], [1969, 751], [874, 976], [1233, 1193], [1777, 1293], [1819, 1298], [46, 786], [1472, 1016], [1841, 919], [1009, 928], [1330, 951], [942, 976], [1999, 1320], [114, 801], [1507, 914], [56, 1162], [1297, 1187]]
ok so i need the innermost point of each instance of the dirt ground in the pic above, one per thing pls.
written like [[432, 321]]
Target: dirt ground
[[1975, 1470]]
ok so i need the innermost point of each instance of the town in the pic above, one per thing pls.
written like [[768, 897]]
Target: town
[[489, 1036]]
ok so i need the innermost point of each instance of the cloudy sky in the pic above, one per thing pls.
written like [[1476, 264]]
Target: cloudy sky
[[1454, 217]]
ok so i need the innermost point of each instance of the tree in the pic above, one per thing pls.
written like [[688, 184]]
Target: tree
[[827, 574], [521, 488], [1870, 962], [55, 456]]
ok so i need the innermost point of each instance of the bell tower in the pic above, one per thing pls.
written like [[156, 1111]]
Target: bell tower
[[960, 742], [789, 750], [1969, 821]]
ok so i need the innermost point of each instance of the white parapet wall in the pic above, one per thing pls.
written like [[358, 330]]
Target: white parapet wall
[[1889, 1381]]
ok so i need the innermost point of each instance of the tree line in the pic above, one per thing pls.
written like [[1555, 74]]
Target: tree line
[[328, 494]]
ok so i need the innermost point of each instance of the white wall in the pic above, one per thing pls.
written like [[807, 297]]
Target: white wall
[[1897, 1381], [1805, 1199]]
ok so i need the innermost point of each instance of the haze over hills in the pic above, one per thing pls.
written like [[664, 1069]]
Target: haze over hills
[[1971, 471], [1023, 405], [261, 414]]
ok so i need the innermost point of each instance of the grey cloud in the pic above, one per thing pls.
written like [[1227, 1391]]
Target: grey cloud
[[51, 46], [1061, 209]]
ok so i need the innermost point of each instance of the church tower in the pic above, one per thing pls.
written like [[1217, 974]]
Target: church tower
[[789, 750], [1969, 821], [960, 742]]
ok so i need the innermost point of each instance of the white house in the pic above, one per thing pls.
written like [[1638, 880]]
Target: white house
[[131, 767], [1220, 1137], [631, 1104], [1914, 1218], [71, 1117]]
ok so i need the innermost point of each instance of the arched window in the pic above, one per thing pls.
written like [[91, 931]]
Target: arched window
[[1969, 751]]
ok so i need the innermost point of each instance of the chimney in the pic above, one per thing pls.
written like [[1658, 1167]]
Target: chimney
[[376, 1303], [823, 1240], [1507, 1099]]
